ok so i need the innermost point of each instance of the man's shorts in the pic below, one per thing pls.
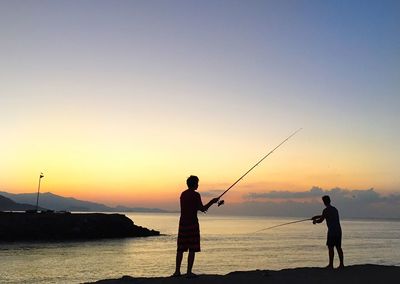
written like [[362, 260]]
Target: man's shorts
[[189, 237]]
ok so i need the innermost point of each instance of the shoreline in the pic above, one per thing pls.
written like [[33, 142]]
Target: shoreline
[[353, 274], [60, 226]]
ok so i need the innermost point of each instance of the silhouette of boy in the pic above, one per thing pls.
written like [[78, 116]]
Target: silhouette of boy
[[189, 232], [334, 238]]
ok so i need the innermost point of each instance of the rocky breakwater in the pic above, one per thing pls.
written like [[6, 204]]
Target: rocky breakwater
[[16, 226]]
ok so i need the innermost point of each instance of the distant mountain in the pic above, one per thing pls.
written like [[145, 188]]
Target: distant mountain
[[120, 208], [59, 203], [7, 204], [56, 202]]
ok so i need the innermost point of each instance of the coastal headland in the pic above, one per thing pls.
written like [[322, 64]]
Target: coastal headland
[[354, 274], [18, 226]]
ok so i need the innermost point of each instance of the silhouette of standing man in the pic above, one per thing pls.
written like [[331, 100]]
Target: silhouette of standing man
[[189, 231], [334, 238]]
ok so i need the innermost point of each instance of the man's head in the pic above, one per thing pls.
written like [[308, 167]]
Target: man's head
[[326, 199], [192, 182]]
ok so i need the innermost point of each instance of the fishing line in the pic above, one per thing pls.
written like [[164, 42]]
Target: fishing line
[[284, 224]]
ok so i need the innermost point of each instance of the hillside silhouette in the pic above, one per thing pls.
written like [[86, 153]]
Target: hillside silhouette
[[59, 203], [6, 204]]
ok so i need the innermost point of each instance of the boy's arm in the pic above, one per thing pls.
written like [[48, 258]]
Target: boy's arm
[[318, 219]]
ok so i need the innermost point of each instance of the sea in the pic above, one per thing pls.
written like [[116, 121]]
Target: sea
[[228, 243]]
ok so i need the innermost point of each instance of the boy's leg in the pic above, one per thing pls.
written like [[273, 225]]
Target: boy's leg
[[341, 257], [179, 256], [331, 253], [190, 262]]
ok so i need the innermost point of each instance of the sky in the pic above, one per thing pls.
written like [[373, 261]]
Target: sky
[[120, 101]]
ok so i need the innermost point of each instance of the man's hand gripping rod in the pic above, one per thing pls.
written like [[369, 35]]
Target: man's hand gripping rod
[[221, 202]]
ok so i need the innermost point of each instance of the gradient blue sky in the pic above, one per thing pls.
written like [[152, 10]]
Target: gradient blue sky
[[122, 100]]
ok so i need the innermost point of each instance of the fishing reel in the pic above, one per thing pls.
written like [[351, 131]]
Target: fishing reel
[[221, 202]]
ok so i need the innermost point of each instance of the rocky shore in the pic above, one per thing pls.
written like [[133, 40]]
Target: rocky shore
[[16, 226], [355, 274]]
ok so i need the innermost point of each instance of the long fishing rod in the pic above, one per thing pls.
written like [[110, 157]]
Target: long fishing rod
[[284, 224], [221, 202]]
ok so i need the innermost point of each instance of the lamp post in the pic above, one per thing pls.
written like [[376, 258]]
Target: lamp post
[[37, 198]]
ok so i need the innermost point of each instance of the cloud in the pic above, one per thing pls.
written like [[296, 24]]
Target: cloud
[[313, 192], [338, 194], [212, 193], [364, 203]]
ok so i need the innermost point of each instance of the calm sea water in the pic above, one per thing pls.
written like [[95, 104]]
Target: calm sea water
[[227, 245]]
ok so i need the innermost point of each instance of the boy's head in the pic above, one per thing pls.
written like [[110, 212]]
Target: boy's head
[[192, 182], [326, 199]]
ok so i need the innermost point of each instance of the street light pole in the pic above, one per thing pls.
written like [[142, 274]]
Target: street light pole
[[37, 198]]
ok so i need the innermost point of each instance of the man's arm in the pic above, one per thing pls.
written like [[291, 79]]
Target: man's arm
[[204, 208]]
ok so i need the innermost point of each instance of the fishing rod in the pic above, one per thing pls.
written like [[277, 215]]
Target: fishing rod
[[284, 224], [221, 202]]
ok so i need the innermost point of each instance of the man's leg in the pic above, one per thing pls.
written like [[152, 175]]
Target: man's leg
[[341, 257], [331, 255], [179, 256], [190, 262]]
